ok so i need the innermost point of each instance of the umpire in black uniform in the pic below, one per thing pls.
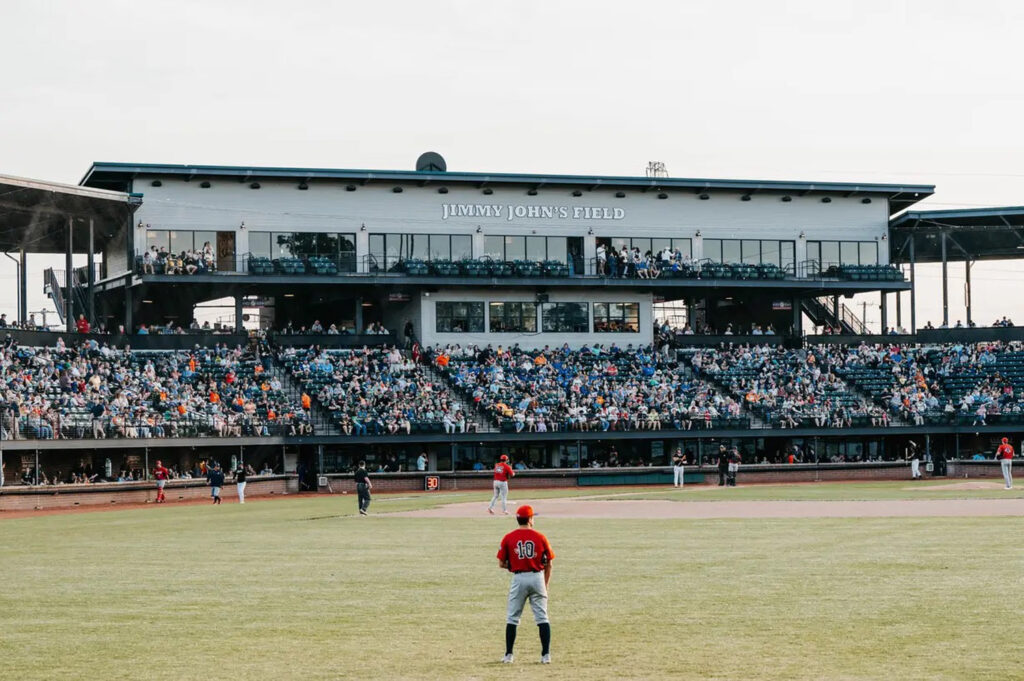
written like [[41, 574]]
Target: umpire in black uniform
[[723, 465], [363, 487]]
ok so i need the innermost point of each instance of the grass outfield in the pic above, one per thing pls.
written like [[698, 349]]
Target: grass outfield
[[301, 588]]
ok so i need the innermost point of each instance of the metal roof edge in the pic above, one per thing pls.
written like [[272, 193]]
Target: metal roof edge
[[73, 189], [909, 215]]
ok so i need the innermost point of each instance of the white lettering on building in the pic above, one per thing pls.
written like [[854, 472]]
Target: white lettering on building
[[530, 212]]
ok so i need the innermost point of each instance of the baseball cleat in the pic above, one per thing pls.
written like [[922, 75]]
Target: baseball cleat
[[507, 659], [545, 659], [491, 511], [505, 512]]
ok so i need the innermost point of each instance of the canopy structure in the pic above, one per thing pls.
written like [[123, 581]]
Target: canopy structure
[[51, 217], [961, 235]]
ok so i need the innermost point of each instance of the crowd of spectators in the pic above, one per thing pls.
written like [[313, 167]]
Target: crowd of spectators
[[334, 329], [88, 475], [375, 391], [94, 390], [630, 263], [160, 261], [595, 388]]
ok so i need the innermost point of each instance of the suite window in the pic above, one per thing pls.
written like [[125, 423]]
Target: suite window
[[652, 244], [176, 241], [616, 317], [459, 317], [829, 253], [565, 317], [512, 317], [339, 247], [533, 248]]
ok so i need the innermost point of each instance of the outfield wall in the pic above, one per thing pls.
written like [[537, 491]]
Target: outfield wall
[[24, 498]]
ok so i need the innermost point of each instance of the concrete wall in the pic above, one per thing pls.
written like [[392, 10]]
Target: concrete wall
[[327, 207]]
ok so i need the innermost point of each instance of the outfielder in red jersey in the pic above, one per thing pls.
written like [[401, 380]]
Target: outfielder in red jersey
[[162, 475], [527, 554], [1005, 456], [502, 473]]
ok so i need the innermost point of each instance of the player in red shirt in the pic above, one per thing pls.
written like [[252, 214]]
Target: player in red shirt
[[502, 472], [162, 475], [1005, 455], [526, 553]]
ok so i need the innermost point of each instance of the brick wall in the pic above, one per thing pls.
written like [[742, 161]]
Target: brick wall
[[20, 498]]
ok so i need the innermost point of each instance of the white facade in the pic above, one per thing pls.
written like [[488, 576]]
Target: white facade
[[327, 207]]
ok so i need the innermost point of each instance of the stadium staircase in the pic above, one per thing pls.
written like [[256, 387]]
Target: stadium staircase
[[55, 286], [470, 411], [756, 422], [322, 423], [822, 312]]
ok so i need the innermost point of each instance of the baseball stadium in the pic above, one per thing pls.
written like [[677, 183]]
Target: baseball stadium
[[379, 373]]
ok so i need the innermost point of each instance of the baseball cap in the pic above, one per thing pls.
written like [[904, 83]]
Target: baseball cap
[[1005, 440], [524, 511], [503, 457]]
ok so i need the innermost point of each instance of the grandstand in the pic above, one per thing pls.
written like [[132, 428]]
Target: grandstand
[[471, 314]]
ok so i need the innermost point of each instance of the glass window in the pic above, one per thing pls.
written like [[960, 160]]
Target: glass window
[[829, 254], [616, 317], [849, 253], [787, 259], [751, 252], [327, 244], [513, 317], [200, 239], [347, 252], [459, 317], [259, 244], [868, 253], [158, 238], [730, 250], [180, 241], [713, 249], [515, 248], [494, 247], [620, 243], [769, 252], [659, 245], [440, 247], [557, 249], [683, 245], [566, 317], [419, 246], [462, 246], [376, 245], [643, 244], [536, 248]]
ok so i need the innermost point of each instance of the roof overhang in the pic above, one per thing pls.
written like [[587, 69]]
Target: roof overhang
[[971, 234], [118, 175], [34, 214]]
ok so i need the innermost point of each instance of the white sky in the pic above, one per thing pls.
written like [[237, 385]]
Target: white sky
[[916, 92]]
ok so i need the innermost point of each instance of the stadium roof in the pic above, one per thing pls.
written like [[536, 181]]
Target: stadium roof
[[972, 233], [34, 214], [117, 175]]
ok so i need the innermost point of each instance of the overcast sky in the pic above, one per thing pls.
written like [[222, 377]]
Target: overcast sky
[[914, 92]]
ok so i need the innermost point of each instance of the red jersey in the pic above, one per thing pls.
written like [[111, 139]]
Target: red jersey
[[161, 473], [526, 550], [502, 471], [1004, 452]]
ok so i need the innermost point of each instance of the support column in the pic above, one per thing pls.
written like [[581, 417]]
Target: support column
[[359, 314], [945, 283], [884, 307], [239, 326], [899, 310], [69, 277], [967, 288], [91, 312], [129, 310], [23, 287], [798, 319], [835, 311], [913, 289]]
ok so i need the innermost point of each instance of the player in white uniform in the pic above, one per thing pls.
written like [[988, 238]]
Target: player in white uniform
[[678, 459]]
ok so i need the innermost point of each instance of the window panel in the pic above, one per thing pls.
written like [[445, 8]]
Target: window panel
[[459, 317], [713, 249], [829, 254], [770, 252], [327, 244], [616, 317], [659, 245], [849, 253], [536, 248], [259, 244], [787, 258], [515, 248], [642, 243], [200, 239], [419, 246], [684, 246], [751, 252], [180, 241], [565, 317], [494, 247], [868, 253], [730, 250], [512, 317], [558, 249], [157, 237], [347, 252], [462, 246], [620, 243]]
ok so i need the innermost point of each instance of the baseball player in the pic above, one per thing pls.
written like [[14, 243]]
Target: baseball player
[[363, 487], [915, 461], [527, 554], [162, 475], [1005, 456], [733, 467], [502, 472], [240, 479], [678, 460], [216, 477]]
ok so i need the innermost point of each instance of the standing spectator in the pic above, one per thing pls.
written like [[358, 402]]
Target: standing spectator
[[240, 476], [215, 476], [82, 324], [409, 334], [734, 466], [421, 462], [363, 487]]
